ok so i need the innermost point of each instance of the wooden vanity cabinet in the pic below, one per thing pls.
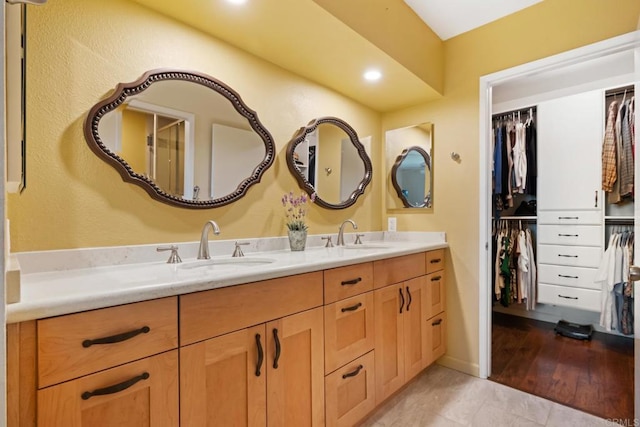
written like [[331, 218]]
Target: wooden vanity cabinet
[[268, 374]]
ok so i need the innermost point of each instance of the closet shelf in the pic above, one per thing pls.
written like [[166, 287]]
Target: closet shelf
[[619, 219], [523, 218]]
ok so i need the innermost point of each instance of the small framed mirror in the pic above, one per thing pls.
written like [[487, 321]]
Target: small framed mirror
[[186, 138], [327, 158], [409, 161]]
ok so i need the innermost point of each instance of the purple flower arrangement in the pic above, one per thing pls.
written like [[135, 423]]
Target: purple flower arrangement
[[295, 209]]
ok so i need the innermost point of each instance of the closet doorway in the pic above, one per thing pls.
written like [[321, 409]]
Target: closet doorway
[[603, 65]]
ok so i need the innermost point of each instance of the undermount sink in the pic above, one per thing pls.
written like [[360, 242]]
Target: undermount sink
[[217, 263], [367, 246]]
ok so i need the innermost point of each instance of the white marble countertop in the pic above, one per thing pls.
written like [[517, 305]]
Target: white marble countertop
[[61, 282]]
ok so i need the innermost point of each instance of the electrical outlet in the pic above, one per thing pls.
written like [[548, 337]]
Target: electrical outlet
[[391, 223]]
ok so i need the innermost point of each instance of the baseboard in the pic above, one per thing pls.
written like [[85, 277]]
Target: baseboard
[[460, 365]]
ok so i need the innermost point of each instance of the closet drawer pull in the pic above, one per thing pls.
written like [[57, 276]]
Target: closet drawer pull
[[116, 338], [568, 217], [435, 261], [437, 322], [567, 235], [351, 282], [568, 256], [114, 388], [568, 277], [564, 296], [435, 279], [352, 308], [354, 373]]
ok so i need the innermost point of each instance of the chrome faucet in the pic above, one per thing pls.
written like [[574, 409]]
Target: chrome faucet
[[341, 231], [203, 251]]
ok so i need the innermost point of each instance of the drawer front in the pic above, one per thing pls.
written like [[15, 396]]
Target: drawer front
[[576, 235], [593, 217], [395, 270], [345, 282], [350, 392], [577, 277], [348, 330], [212, 313], [435, 301], [576, 256], [150, 400], [585, 299], [436, 339], [138, 330], [435, 261]]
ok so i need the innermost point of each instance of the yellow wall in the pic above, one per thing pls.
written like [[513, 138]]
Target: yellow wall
[[134, 139], [78, 51], [549, 27]]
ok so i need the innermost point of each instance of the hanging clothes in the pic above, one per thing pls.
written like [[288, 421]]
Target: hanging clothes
[[609, 156]]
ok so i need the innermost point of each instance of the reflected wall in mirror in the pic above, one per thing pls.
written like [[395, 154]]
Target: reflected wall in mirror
[[327, 158], [409, 159], [186, 138]]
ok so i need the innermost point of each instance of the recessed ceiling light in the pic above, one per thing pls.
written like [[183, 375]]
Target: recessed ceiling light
[[372, 75]]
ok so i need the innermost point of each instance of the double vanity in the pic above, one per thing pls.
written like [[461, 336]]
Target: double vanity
[[318, 337]]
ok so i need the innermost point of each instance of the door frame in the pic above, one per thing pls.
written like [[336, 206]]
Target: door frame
[[623, 43]]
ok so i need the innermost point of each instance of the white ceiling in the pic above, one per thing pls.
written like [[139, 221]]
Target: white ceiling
[[448, 18]]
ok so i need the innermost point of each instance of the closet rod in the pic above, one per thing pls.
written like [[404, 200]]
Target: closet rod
[[521, 111], [516, 218], [620, 91]]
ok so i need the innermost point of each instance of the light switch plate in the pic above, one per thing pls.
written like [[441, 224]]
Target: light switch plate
[[391, 223]]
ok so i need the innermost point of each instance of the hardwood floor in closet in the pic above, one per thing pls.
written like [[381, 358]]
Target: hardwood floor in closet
[[594, 376]]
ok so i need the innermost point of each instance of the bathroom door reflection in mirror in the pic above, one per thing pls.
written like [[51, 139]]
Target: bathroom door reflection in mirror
[[409, 160]]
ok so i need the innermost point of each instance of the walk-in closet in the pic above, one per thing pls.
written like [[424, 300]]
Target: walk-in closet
[[562, 228]]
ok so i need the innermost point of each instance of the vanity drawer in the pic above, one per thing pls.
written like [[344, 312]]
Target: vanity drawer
[[134, 330], [350, 392], [435, 261], [345, 282], [207, 314], [395, 270], [575, 235], [348, 330], [577, 277], [585, 299], [593, 217], [577, 256], [435, 301]]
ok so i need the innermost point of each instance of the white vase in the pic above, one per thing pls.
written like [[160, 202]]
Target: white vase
[[297, 239]]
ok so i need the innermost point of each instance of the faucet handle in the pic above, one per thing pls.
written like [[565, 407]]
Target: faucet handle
[[329, 242], [174, 258], [358, 241], [237, 252]]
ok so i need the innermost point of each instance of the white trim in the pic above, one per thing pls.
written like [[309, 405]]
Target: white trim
[[4, 247], [618, 44]]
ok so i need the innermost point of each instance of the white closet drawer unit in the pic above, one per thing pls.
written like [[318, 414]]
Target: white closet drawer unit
[[563, 275], [592, 217], [578, 235], [585, 299], [577, 256]]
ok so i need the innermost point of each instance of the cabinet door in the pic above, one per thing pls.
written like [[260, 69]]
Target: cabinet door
[[389, 333], [141, 393], [222, 382], [570, 132], [437, 337], [415, 347], [295, 370]]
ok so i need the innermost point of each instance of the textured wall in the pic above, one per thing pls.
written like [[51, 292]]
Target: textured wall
[[78, 51]]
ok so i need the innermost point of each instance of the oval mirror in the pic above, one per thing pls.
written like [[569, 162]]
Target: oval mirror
[[186, 138], [411, 177], [409, 160], [327, 158]]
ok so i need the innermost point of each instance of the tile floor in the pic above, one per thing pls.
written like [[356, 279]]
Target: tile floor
[[443, 397]]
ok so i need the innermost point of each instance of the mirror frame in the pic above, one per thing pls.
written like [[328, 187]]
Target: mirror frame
[[300, 136], [396, 166], [124, 90]]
